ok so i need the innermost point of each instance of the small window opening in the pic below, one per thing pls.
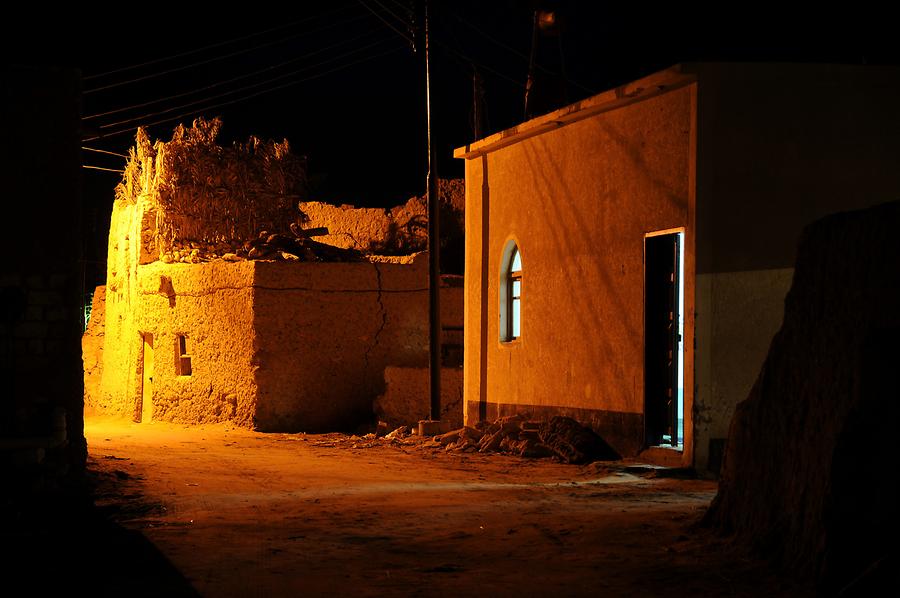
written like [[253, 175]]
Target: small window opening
[[511, 294], [183, 357]]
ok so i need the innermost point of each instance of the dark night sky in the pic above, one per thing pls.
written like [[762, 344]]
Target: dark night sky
[[355, 103]]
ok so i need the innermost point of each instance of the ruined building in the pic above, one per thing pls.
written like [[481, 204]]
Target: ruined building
[[221, 305], [628, 256]]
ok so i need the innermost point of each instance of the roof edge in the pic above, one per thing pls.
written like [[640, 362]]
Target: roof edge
[[647, 87]]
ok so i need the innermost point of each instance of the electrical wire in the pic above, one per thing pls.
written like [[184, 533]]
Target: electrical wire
[[403, 7], [215, 45], [226, 81], [405, 36], [393, 14], [244, 88], [101, 168], [259, 93], [100, 151], [471, 60], [515, 51], [220, 57]]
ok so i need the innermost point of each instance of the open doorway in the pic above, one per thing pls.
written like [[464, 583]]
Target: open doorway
[[664, 338], [144, 411]]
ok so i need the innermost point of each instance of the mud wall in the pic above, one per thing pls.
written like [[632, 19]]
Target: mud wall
[[407, 397], [120, 387], [326, 332], [210, 305], [578, 200], [402, 229], [92, 350], [807, 477], [399, 230], [272, 344]]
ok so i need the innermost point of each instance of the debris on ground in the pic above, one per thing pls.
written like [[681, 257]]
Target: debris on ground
[[560, 437], [400, 432], [575, 443]]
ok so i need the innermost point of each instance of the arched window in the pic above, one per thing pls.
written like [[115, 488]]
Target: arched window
[[511, 293]]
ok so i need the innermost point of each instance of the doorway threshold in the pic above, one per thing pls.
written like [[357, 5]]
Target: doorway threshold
[[667, 455]]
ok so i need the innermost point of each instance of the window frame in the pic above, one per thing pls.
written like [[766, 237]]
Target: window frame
[[183, 365], [510, 301]]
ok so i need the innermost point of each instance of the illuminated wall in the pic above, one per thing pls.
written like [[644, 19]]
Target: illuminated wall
[[326, 332], [276, 345], [577, 190], [742, 156]]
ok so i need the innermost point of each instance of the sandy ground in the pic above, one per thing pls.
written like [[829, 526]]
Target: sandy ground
[[240, 513]]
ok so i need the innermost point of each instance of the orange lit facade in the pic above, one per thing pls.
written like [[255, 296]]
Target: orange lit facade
[[269, 344], [656, 225]]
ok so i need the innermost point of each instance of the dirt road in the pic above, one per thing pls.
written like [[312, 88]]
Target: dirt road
[[240, 513]]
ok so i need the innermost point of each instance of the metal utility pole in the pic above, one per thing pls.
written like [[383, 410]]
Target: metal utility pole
[[434, 250], [529, 83]]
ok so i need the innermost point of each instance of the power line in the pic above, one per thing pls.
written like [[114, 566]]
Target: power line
[[403, 7], [515, 51], [100, 151], [471, 60], [405, 36], [393, 14], [232, 80], [265, 91], [218, 58], [215, 45], [101, 168], [244, 88]]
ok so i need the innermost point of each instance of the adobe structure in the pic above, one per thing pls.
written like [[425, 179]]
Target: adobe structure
[[219, 306], [628, 256]]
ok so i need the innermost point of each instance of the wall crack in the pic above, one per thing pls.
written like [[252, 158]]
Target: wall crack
[[378, 332]]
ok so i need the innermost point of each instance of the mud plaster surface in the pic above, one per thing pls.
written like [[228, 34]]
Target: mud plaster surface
[[243, 513]]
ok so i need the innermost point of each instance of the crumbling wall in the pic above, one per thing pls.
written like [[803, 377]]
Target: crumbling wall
[[400, 230], [205, 196], [283, 332], [92, 349], [806, 477], [326, 332], [396, 231]]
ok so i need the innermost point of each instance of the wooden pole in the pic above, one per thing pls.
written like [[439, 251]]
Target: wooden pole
[[434, 251]]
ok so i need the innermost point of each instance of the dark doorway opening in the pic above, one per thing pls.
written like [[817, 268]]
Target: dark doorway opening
[[144, 408], [663, 334]]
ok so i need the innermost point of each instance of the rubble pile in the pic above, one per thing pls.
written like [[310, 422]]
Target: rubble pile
[[560, 437], [296, 247]]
